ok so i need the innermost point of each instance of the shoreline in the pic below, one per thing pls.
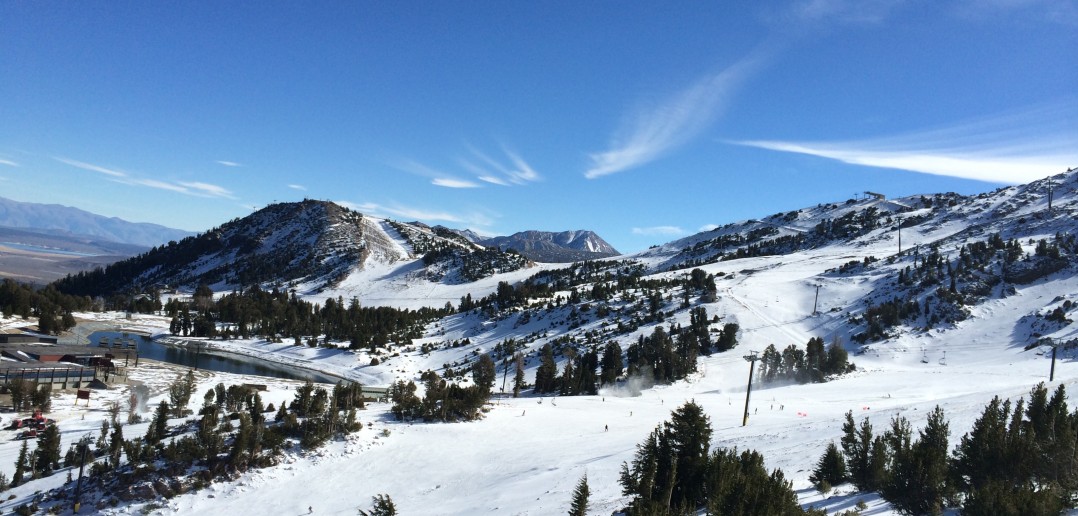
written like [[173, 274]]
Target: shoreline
[[83, 329], [211, 348]]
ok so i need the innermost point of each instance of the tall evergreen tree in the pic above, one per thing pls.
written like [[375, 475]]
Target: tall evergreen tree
[[857, 446], [611, 364], [670, 469], [484, 373], [22, 465], [579, 506], [518, 377], [47, 454], [689, 431], [546, 373], [159, 424]]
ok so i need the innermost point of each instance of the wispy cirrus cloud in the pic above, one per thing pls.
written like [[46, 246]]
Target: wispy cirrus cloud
[[659, 230], [450, 182], [1013, 148], [208, 190], [409, 213], [506, 170], [651, 132], [437, 177], [843, 11], [1061, 12], [195, 188], [228, 163], [8, 162], [90, 167], [298, 187], [509, 170]]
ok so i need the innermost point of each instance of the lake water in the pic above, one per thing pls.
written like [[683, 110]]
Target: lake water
[[50, 250], [211, 362]]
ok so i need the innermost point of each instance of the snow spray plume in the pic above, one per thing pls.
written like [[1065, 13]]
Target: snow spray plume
[[631, 386]]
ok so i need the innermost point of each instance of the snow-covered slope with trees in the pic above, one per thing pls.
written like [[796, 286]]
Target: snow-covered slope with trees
[[970, 307]]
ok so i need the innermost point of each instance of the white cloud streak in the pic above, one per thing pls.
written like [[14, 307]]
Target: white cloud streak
[[1008, 149], [650, 133], [228, 163], [437, 177], [659, 230], [411, 213], [195, 188], [509, 170], [92, 168], [450, 182], [514, 171], [856, 12], [8, 163], [208, 190], [298, 187]]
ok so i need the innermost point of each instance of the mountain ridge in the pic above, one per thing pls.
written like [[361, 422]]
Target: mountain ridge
[[555, 247], [74, 222]]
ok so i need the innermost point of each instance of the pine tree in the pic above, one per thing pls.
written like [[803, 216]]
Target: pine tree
[[47, 454], [242, 442], [728, 337], [982, 450], [837, 358], [815, 359], [931, 486], [579, 506], [901, 469], [831, 469], [159, 425], [22, 465], [689, 431], [611, 364], [382, 506], [484, 373], [546, 373], [518, 377], [857, 446], [116, 446], [670, 468], [568, 377]]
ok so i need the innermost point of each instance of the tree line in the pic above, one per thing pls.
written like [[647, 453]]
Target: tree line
[[1018, 459]]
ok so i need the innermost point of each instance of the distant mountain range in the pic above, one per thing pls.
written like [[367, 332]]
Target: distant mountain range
[[65, 221], [545, 246]]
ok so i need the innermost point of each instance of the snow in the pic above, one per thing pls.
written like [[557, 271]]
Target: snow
[[526, 455]]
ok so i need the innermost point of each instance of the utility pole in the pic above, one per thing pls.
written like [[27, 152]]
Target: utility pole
[[752, 357], [84, 443], [1052, 374], [816, 301], [899, 228]]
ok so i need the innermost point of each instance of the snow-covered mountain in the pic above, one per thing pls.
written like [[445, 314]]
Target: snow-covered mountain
[[313, 245], [994, 278], [547, 246]]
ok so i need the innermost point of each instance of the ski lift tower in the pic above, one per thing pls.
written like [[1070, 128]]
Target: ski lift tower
[[752, 357], [1055, 347]]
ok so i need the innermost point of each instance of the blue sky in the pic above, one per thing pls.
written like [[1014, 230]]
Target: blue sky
[[641, 121]]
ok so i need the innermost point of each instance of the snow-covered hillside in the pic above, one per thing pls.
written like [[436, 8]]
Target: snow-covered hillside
[[837, 262]]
